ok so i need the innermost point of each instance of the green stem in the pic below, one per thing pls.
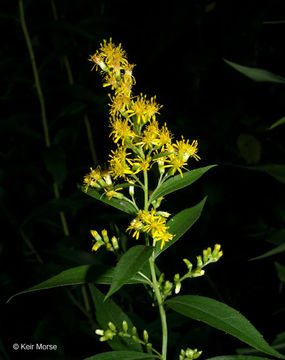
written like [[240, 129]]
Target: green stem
[[42, 103], [154, 281]]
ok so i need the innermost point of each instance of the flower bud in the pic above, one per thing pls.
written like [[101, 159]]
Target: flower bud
[[105, 236], [199, 261], [145, 336], [112, 326], [115, 243], [99, 332], [188, 264], [125, 326], [95, 234]]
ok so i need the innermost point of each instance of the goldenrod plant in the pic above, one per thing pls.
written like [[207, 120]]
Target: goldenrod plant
[[146, 164]]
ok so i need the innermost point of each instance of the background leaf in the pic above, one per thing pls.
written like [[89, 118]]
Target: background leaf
[[276, 250], [222, 317], [80, 275], [177, 182], [255, 74], [122, 355], [280, 271], [277, 123], [109, 311], [129, 264], [180, 223]]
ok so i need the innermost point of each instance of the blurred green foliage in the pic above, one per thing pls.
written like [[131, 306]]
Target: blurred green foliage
[[179, 49]]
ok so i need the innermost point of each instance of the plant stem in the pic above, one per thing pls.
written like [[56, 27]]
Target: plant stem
[[154, 281], [42, 103]]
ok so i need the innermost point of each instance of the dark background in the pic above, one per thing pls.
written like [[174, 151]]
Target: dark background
[[179, 49]]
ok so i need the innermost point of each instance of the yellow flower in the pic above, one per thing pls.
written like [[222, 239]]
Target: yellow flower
[[114, 193], [94, 178], [98, 60], [185, 150], [136, 226], [176, 164], [111, 80], [115, 56], [164, 136], [163, 237], [144, 110], [118, 166], [149, 136], [121, 130], [140, 164], [119, 103]]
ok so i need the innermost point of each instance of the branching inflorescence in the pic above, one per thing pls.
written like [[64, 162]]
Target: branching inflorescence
[[141, 144]]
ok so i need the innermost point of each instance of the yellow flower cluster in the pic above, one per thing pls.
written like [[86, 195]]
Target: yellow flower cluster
[[140, 142], [152, 222]]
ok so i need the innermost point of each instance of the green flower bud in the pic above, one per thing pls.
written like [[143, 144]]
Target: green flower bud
[[109, 334], [99, 332], [134, 330], [188, 264], [145, 336], [95, 234], [115, 243], [112, 326], [199, 261], [125, 326], [197, 273]]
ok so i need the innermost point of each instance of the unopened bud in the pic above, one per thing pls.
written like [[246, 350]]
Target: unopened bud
[[115, 243], [95, 234], [188, 264], [99, 332], [105, 236], [199, 261], [145, 336], [125, 326], [112, 326]]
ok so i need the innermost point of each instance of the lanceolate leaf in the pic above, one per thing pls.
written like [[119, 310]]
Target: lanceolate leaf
[[256, 74], [180, 223], [222, 317], [275, 170], [129, 264], [276, 250], [120, 204], [177, 182], [80, 275], [277, 123], [107, 311], [238, 357], [122, 355], [280, 271]]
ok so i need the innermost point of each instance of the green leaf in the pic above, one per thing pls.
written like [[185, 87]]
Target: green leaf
[[107, 311], [120, 204], [122, 355], [80, 275], [255, 74], [238, 357], [180, 223], [249, 148], [222, 317], [280, 271], [129, 264], [275, 170], [277, 123], [277, 250], [177, 182]]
